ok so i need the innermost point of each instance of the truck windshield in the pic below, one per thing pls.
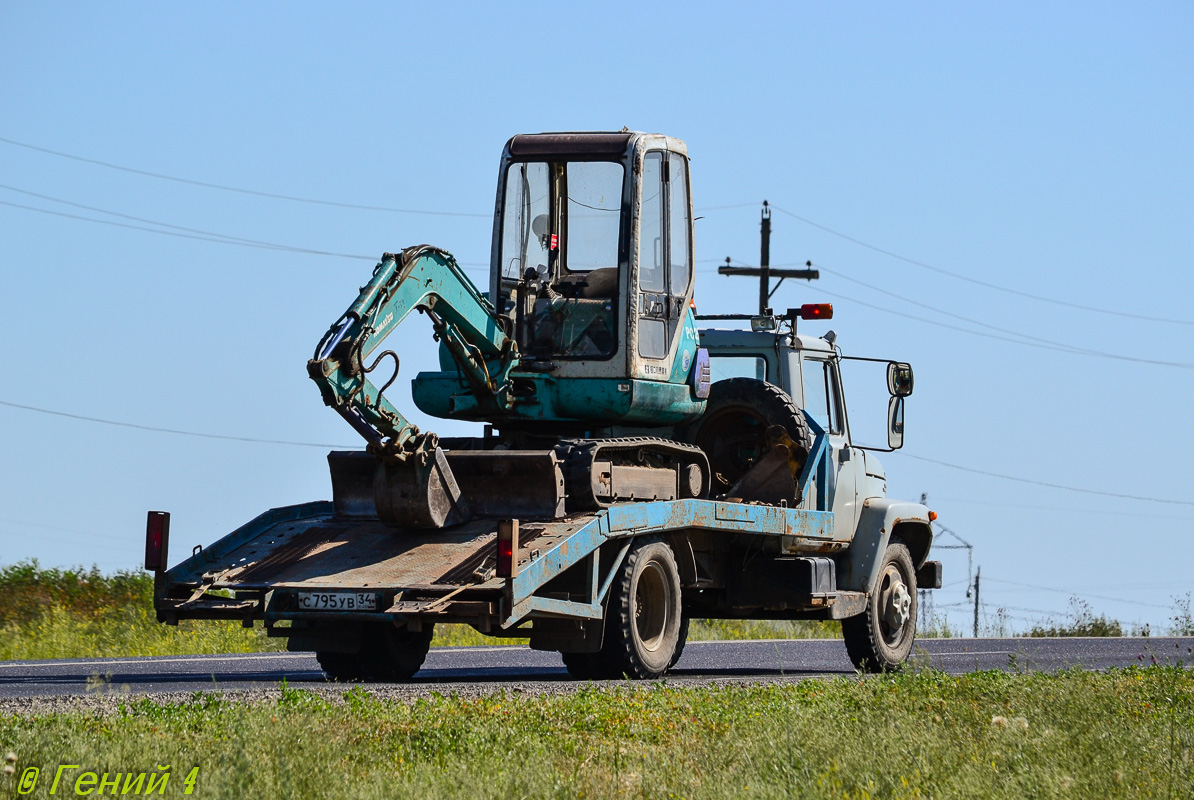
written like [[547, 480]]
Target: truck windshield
[[723, 366]]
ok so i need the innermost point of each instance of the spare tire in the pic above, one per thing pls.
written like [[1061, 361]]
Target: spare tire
[[733, 431]]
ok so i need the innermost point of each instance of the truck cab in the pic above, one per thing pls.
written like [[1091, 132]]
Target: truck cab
[[853, 484]]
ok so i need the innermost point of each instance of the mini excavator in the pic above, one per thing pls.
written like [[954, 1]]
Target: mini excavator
[[583, 356]]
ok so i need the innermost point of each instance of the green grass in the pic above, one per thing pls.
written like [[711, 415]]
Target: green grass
[[78, 613], [1125, 733], [53, 613], [722, 629]]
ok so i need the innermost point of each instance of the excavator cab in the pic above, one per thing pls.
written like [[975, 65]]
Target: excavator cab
[[586, 337], [591, 275], [592, 252]]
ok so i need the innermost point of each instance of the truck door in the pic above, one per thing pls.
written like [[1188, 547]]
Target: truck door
[[823, 401]]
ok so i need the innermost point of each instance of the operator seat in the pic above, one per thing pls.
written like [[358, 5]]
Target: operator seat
[[601, 284]]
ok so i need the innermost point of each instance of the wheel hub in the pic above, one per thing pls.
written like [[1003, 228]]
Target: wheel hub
[[898, 604], [652, 599]]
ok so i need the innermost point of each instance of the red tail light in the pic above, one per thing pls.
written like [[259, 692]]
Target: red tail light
[[157, 540], [507, 548], [816, 311]]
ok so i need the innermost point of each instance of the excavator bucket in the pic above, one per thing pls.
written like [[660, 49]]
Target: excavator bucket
[[410, 494], [769, 481], [452, 487], [525, 484]]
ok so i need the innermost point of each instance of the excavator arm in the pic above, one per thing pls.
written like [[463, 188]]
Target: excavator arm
[[428, 280]]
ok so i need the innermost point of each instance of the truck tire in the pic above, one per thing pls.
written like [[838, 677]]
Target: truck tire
[[880, 638], [681, 640], [342, 667], [587, 666], [387, 654], [643, 614], [733, 429]]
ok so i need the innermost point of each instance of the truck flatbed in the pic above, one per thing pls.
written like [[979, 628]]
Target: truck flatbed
[[447, 574]]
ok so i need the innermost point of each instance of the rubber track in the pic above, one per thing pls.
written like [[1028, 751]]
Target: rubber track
[[578, 456]]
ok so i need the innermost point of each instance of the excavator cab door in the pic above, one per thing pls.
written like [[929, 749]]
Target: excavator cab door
[[591, 276], [664, 261]]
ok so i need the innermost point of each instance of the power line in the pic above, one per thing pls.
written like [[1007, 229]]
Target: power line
[[937, 309], [389, 209], [190, 233], [1051, 485], [1031, 341], [175, 431], [240, 190], [1079, 595], [1040, 345], [977, 282], [230, 238], [1101, 512], [277, 196], [216, 238]]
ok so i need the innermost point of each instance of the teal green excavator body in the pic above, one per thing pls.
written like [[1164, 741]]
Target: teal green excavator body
[[587, 323], [591, 271], [586, 334]]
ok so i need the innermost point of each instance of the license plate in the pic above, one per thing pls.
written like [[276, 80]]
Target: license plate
[[337, 601]]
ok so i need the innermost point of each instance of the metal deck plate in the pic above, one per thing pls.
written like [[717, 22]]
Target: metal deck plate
[[354, 554]]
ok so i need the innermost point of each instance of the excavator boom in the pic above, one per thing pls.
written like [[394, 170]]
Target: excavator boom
[[428, 280]]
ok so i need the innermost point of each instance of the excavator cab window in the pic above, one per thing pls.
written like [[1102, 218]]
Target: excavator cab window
[[525, 220], [664, 252], [561, 234]]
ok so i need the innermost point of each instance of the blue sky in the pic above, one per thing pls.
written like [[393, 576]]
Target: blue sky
[[1041, 149]]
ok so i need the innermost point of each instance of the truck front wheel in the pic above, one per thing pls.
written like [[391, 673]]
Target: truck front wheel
[[643, 614], [880, 638]]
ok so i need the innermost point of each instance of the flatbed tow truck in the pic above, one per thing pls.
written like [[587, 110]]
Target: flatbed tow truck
[[621, 488]]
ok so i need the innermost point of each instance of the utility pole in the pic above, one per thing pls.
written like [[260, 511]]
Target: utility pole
[[971, 573], [764, 272], [765, 259], [977, 574]]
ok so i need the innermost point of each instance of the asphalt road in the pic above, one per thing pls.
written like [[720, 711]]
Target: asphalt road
[[471, 670]]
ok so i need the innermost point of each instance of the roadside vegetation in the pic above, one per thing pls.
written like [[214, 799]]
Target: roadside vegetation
[[1123, 733], [77, 613], [53, 613]]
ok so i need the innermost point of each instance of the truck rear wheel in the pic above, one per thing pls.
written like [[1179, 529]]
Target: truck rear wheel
[[387, 654], [681, 639], [733, 431], [643, 615], [880, 638], [587, 666]]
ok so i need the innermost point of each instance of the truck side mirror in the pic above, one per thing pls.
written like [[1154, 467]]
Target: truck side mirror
[[895, 422], [899, 379]]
